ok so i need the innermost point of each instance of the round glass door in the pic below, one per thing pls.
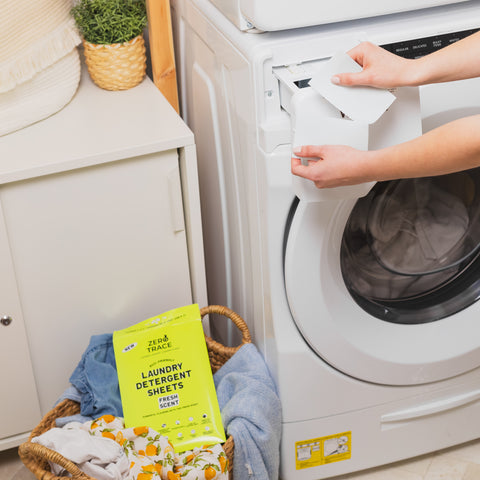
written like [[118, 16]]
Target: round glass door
[[332, 289], [410, 250]]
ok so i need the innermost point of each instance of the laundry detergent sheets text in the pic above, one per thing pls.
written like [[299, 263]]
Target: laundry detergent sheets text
[[165, 378]]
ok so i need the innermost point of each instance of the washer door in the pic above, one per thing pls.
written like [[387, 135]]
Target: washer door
[[421, 336]]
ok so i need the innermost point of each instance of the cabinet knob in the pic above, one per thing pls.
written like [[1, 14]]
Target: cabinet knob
[[6, 320]]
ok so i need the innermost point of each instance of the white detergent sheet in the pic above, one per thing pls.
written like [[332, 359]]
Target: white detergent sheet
[[362, 104], [318, 120]]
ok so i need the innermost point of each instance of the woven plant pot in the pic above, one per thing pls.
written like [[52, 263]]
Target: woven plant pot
[[118, 66], [36, 456]]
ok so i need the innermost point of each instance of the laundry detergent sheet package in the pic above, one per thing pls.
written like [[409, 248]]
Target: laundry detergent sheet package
[[165, 378]]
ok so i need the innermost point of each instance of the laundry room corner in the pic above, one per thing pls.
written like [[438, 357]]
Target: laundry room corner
[[258, 261]]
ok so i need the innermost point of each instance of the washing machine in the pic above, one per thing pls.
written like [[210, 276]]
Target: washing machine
[[362, 299]]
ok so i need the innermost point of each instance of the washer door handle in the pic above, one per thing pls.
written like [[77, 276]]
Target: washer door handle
[[431, 407]]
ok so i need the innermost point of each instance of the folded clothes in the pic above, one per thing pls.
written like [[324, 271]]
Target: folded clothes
[[251, 413], [106, 450]]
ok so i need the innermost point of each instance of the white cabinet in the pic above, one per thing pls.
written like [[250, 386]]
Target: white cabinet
[[19, 408], [99, 229]]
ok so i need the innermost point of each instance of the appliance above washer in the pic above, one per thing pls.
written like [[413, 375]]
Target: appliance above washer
[[272, 15]]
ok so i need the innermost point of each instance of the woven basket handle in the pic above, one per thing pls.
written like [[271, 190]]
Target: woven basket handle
[[235, 318], [29, 449]]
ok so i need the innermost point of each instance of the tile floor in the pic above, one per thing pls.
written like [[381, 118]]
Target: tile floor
[[456, 463]]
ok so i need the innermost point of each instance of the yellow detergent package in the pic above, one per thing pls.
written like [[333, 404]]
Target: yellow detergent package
[[165, 378]]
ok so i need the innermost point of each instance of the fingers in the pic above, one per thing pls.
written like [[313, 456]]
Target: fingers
[[308, 151], [301, 170], [358, 53], [298, 168], [349, 79], [363, 54]]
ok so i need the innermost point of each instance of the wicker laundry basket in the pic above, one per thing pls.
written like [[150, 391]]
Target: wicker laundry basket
[[36, 456]]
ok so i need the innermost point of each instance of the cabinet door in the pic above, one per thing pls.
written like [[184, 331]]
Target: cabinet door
[[95, 249], [19, 409]]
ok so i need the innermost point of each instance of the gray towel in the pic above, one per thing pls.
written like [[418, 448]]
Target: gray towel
[[251, 414]]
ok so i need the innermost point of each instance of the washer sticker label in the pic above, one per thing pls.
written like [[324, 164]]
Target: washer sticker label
[[323, 450]]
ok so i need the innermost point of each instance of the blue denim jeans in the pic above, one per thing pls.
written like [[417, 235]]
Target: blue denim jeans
[[95, 377]]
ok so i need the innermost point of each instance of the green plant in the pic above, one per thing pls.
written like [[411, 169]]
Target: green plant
[[110, 21]]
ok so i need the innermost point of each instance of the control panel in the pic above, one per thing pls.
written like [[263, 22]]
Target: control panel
[[423, 46]]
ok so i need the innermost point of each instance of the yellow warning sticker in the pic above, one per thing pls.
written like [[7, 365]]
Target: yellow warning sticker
[[323, 450]]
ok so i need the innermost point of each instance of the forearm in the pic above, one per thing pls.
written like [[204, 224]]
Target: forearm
[[454, 62], [449, 148]]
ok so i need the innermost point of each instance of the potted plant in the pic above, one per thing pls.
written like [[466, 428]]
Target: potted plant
[[112, 32]]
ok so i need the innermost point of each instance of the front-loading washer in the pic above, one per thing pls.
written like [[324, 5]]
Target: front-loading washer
[[362, 380]]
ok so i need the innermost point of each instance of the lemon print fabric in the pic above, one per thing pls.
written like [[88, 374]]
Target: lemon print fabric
[[152, 457]]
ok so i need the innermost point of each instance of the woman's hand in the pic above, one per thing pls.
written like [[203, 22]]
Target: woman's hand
[[332, 165], [381, 68], [452, 147]]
